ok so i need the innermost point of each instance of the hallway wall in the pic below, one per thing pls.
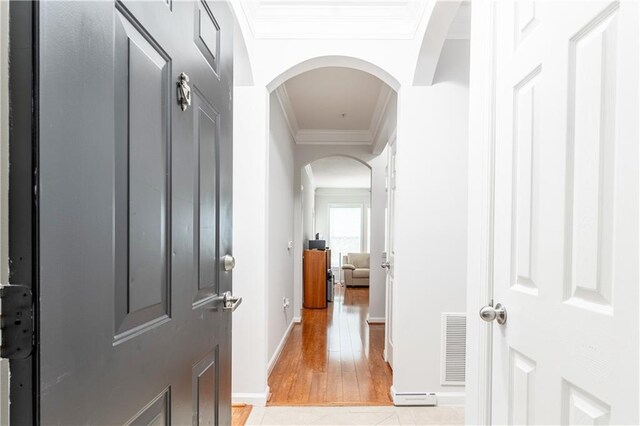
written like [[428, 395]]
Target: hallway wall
[[250, 184], [280, 214], [377, 275], [308, 200], [431, 219]]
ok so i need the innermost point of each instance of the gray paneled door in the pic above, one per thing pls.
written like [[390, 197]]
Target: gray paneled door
[[134, 212]]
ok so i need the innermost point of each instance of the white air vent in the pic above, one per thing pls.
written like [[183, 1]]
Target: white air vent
[[453, 357]]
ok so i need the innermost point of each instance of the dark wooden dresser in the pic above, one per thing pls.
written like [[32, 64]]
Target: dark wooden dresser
[[315, 265]]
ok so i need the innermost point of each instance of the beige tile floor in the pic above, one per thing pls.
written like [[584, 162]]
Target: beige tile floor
[[356, 416]]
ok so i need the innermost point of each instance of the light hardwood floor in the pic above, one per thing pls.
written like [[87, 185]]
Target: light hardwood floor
[[239, 414], [334, 357]]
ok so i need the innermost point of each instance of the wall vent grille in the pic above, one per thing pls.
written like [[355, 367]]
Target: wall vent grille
[[453, 357]]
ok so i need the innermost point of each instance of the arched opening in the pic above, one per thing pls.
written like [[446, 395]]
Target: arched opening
[[334, 61], [330, 119]]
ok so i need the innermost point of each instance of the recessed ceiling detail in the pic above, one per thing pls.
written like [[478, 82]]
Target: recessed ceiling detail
[[334, 19], [334, 105]]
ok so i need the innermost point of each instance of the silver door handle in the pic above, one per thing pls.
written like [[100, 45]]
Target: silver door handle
[[229, 262], [229, 302], [489, 313], [386, 265]]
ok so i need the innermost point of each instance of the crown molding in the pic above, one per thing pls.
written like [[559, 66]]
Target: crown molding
[[371, 136], [287, 108], [378, 120], [334, 19], [333, 137]]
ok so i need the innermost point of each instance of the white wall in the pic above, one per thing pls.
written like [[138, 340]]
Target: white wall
[[431, 218], [308, 189], [280, 229], [377, 275], [250, 243]]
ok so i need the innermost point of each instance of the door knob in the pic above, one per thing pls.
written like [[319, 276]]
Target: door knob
[[229, 262], [489, 313], [386, 265]]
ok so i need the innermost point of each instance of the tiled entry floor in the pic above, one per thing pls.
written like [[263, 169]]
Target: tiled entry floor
[[362, 415]]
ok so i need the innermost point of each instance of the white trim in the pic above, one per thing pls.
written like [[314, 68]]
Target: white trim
[[287, 108], [297, 320], [294, 19], [257, 399], [381, 106], [278, 351], [380, 144], [481, 212], [427, 398], [375, 320], [377, 128], [440, 19], [333, 137], [451, 398]]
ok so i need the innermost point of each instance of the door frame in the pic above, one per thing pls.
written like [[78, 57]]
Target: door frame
[[22, 226], [482, 108], [4, 190]]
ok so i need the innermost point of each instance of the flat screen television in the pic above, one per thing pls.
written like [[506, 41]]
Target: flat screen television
[[317, 245]]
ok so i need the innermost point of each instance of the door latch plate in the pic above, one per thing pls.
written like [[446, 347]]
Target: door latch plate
[[16, 321]]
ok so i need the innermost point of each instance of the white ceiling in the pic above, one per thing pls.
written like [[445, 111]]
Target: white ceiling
[[334, 105], [320, 97], [331, 19], [340, 172]]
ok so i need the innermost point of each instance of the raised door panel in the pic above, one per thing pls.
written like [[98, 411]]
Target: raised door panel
[[141, 179], [521, 389], [581, 408], [591, 164], [204, 389], [206, 196], [526, 119], [156, 413]]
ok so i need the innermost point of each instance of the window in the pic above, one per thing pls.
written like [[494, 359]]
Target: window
[[345, 231]]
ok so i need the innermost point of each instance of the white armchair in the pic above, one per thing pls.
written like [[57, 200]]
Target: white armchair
[[355, 269]]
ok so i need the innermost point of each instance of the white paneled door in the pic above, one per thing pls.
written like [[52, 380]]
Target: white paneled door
[[566, 213], [389, 263]]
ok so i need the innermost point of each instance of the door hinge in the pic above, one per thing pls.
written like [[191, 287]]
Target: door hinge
[[16, 321]]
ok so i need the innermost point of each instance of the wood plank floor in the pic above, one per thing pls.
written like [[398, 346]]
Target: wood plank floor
[[240, 413], [334, 357]]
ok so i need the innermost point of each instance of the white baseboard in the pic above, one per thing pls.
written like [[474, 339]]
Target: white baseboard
[[451, 398], [257, 399], [375, 320], [297, 320], [278, 351], [427, 398]]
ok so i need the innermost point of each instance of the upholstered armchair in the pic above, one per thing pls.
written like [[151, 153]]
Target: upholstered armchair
[[355, 269]]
